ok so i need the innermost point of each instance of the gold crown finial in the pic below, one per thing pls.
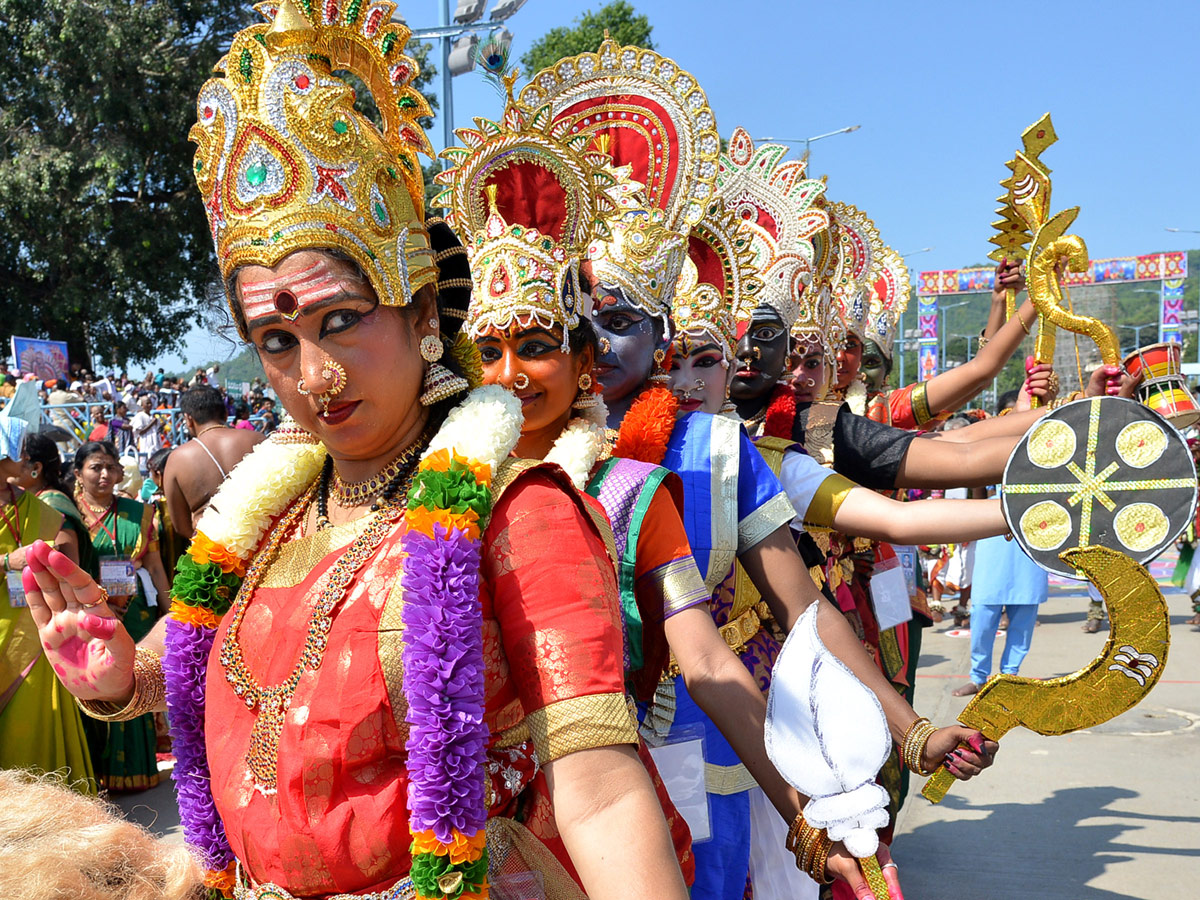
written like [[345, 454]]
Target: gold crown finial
[[491, 190], [289, 27], [603, 142]]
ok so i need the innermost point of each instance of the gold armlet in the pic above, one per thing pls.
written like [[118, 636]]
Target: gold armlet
[[811, 847], [149, 691], [912, 747]]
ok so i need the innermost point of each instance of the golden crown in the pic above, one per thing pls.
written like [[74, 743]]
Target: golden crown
[[777, 204], [719, 285], [649, 114], [285, 162], [858, 244], [889, 298], [528, 196]]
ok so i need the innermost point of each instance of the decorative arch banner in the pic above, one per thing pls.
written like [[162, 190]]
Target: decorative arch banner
[[1171, 327], [927, 340], [1150, 267]]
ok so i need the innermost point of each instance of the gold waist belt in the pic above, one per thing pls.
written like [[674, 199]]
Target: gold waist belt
[[726, 780], [737, 633], [242, 890]]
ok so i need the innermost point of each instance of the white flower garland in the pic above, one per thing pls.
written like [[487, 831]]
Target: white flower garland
[[484, 427], [581, 443], [856, 396]]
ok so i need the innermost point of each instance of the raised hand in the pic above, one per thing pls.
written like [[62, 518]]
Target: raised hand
[[89, 649]]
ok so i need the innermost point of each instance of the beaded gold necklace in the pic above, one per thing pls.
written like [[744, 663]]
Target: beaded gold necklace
[[358, 493], [274, 701]]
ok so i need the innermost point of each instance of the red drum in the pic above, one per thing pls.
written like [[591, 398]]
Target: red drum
[[1163, 388]]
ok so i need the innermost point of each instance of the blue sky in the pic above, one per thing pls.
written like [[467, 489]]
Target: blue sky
[[942, 91]]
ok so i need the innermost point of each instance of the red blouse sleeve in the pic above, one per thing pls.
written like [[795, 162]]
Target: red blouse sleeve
[[554, 596]]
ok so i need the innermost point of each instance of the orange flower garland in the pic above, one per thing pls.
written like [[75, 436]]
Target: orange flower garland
[[647, 426]]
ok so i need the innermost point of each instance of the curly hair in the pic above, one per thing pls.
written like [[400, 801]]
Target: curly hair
[[55, 842]]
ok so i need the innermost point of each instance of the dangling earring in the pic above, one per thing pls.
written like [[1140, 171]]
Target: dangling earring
[[660, 375], [440, 382], [585, 399]]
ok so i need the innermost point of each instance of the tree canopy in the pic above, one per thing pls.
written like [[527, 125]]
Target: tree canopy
[[106, 243], [619, 18]]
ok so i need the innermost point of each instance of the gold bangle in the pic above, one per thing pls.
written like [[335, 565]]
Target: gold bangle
[[793, 831], [1023, 325], [149, 691], [818, 868], [913, 745]]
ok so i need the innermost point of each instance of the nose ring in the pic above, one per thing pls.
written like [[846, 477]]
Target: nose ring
[[605, 345], [521, 382]]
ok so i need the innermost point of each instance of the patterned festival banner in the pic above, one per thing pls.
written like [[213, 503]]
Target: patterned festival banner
[[1151, 267], [1170, 328], [927, 336], [46, 360]]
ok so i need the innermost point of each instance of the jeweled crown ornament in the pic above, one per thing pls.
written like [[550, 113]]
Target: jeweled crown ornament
[[858, 242], [719, 284], [528, 196], [889, 299], [652, 116], [777, 204], [285, 162]]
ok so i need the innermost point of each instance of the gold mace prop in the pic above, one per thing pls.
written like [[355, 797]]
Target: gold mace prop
[[1013, 229], [1026, 212], [1115, 681]]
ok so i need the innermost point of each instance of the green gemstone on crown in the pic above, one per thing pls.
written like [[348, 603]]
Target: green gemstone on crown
[[340, 126], [256, 174], [380, 212]]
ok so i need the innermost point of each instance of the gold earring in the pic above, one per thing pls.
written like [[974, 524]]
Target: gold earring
[[585, 382], [431, 348], [441, 383], [660, 376]]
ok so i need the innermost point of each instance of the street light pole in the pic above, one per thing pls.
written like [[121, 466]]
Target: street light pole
[[809, 140]]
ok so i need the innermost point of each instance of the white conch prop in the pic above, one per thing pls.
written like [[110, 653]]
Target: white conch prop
[[827, 735]]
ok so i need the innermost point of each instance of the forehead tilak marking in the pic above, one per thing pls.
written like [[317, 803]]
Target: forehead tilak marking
[[289, 294]]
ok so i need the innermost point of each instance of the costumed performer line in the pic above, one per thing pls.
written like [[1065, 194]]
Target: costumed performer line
[[529, 318], [647, 113], [371, 650]]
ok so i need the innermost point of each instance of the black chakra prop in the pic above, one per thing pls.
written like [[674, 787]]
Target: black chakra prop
[[1099, 472]]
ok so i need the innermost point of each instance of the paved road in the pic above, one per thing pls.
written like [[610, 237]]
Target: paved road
[[1110, 813]]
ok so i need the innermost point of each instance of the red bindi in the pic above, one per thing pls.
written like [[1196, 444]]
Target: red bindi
[[285, 302]]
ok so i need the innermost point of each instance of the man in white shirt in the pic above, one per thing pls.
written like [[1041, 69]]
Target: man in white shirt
[[147, 433]]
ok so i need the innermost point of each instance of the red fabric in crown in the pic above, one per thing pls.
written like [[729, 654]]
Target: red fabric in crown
[[709, 266], [532, 196], [640, 133]]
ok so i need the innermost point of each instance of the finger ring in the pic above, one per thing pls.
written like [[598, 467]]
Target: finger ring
[[890, 865], [1054, 382], [102, 599]]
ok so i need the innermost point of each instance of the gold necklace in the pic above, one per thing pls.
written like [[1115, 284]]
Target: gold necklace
[[273, 701], [358, 493], [208, 429]]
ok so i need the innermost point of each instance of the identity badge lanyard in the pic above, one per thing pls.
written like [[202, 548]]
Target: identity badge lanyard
[[116, 572], [16, 590]]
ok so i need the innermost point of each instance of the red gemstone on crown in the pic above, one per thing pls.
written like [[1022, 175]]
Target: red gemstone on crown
[[302, 82]]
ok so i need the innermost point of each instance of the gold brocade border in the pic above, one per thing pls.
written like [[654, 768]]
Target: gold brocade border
[[581, 723], [761, 523], [920, 404], [679, 584], [725, 452], [726, 780], [390, 646], [297, 558], [826, 502]]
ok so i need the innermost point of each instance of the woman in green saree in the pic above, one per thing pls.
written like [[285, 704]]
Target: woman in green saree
[[122, 533], [40, 725]]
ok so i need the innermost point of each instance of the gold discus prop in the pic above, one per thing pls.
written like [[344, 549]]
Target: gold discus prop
[[1115, 681], [1102, 471]]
